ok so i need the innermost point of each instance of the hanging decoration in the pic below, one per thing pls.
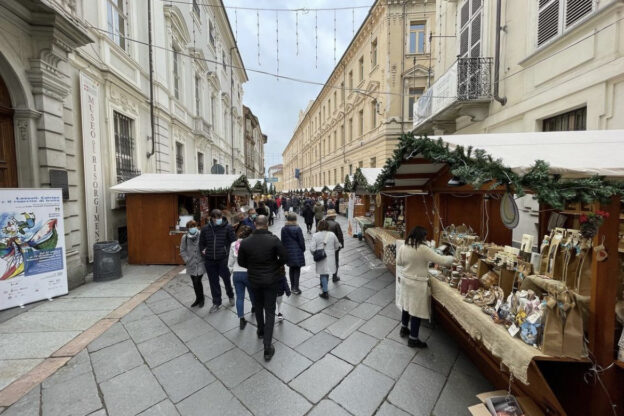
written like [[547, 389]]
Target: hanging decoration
[[334, 37], [476, 167], [258, 33], [235, 23], [352, 22], [277, 42], [510, 215], [297, 31], [316, 39]]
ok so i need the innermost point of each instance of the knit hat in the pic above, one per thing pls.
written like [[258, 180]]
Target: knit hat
[[331, 213]]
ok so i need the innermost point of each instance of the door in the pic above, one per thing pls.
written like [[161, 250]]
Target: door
[[8, 163]]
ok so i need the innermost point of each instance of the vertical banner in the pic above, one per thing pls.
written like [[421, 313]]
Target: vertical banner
[[32, 246], [94, 181], [350, 220]]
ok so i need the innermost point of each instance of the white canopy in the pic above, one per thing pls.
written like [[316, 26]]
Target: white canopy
[[254, 181], [152, 183], [572, 154], [371, 174]]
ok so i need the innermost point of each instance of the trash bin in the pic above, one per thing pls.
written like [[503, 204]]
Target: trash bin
[[106, 261]]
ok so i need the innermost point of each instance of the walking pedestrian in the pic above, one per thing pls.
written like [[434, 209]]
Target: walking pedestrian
[[292, 238], [415, 295], [263, 254], [281, 290], [327, 241], [214, 242], [239, 273], [308, 217], [334, 227], [189, 251], [318, 212], [249, 221]]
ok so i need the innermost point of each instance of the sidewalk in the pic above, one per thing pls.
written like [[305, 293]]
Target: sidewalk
[[29, 336], [341, 356]]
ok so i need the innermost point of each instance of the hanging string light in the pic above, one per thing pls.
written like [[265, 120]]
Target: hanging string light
[[277, 41], [297, 31], [334, 37], [258, 34], [236, 23], [316, 39], [352, 22]]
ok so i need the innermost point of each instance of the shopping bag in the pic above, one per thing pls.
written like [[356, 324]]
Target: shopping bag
[[573, 344], [552, 340]]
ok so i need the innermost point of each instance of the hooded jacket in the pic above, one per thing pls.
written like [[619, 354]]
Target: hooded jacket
[[215, 240], [292, 238], [189, 251], [263, 255]]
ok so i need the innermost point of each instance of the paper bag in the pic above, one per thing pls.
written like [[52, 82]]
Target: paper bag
[[552, 340], [573, 344]]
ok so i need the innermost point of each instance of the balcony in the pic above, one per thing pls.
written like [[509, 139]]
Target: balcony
[[464, 90], [202, 128]]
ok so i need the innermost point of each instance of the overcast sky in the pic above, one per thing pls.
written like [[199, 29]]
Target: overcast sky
[[277, 103]]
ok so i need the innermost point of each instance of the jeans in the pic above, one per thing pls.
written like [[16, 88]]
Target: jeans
[[294, 272], [240, 283], [216, 268], [324, 280], [337, 261], [309, 227], [264, 302], [414, 324]]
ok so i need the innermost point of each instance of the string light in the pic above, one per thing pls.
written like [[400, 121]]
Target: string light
[[316, 39], [352, 22], [236, 24], [258, 34], [297, 31], [334, 37], [271, 9], [277, 41]]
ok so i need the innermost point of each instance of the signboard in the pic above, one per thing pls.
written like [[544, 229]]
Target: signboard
[[271, 180], [94, 180], [32, 246]]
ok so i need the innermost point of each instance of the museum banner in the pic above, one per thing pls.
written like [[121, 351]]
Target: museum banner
[[32, 246], [94, 181]]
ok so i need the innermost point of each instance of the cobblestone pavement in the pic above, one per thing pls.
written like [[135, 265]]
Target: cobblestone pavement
[[340, 356]]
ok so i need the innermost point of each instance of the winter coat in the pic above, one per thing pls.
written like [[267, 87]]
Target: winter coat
[[308, 214], [215, 240], [328, 264], [413, 269], [292, 238], [263, 255], [319, 211], [233, 257], [189, 251], [334, 227], [249, 223]]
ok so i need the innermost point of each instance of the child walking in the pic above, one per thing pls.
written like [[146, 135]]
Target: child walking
[[283, 288]]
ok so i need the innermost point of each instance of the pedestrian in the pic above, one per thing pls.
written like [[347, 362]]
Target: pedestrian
[[324, 240], [334, 227], [282, 288], [331, 205], [249, 221], [263, 255], [318, 213], [308, 217], [325, 204], [214, 242], [190, 253], [292, 238], [415, 295], [239, 273]]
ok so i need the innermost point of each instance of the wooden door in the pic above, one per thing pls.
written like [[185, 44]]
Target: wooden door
[[8, 162], [150, 217]]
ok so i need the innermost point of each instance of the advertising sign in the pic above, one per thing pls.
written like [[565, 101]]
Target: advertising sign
[[32, 246], [94, 181]]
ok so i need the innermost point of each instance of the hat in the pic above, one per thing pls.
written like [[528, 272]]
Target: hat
[[330, 213]]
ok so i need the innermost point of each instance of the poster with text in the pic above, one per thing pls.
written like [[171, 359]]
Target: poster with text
[[32, 246]]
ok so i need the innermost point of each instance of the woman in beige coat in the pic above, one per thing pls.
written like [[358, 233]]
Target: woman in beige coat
[[415, 299]]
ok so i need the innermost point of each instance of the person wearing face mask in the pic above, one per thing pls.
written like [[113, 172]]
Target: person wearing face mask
[[215, 240], [189, 251], [249, 221]]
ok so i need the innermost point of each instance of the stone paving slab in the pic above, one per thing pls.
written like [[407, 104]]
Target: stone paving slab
[[213, 400], [183, 376], [132, 392], [321, 378], [362, 391]]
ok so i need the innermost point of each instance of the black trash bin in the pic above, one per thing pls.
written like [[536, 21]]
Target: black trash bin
[[106, 261]]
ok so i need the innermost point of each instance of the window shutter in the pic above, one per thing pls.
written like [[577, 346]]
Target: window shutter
[[548, 22], [463, 43], [475, 5], [576, 9], [465, 14], [475, 35]]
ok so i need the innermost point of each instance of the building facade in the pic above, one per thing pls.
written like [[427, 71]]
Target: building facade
[[254, 145], [560, 66], [277, 171], [68, 66], [363, 108]]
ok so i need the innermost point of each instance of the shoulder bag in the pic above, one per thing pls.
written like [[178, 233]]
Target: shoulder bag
[[320, 254]]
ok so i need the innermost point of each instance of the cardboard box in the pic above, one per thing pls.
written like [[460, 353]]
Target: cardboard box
[[528, 406]]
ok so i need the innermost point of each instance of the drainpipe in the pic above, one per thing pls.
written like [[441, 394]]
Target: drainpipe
[[151, 74], [501, 100], [402, 72], [232, 104]]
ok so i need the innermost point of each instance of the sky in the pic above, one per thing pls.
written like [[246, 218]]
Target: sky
[[275, 102]]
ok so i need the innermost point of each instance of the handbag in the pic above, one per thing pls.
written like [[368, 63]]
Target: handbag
[[320, 254]]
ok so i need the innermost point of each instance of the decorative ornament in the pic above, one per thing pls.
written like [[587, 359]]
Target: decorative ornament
[[590, 223], [509, 211]]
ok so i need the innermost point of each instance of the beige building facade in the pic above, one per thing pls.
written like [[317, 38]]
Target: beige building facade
[[363, 108], [254, 145]]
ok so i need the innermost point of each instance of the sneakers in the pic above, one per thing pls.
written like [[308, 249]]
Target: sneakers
[[214, 308], [404, 332], [268, 353], [296, 291], [280, 317], [324, 295], [416, 343], [232, 302], [243, 323]]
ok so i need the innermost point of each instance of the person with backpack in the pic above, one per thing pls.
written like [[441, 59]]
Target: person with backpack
[[323, 246]]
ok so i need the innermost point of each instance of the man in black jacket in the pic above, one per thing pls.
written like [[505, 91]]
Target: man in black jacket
[[263, 255], [214, 243], [334, 227]]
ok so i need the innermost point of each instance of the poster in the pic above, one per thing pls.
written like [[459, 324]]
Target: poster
[[94, 181], [32, 246]]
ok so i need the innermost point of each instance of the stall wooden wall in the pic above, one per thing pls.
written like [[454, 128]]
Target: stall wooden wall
[[416, 208]]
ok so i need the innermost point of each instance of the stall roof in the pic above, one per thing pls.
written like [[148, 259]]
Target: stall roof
[[152, 183]]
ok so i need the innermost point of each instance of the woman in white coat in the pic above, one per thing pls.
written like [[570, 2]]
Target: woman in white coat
[[415, 299], [325, 239]]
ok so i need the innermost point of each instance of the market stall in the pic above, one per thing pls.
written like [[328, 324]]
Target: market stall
[[523, 317], [158, 206]]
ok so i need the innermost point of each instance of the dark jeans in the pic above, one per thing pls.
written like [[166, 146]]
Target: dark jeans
[[309, 226], [216, 268], [337, 255], [294, 272], [414, 324], [264, 302], [240, 283]]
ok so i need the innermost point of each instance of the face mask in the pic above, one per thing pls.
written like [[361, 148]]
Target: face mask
[[253, 216], [192, 230], [218, 221]]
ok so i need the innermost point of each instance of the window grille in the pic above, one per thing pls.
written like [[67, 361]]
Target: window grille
[[179, 158], [124, 148]]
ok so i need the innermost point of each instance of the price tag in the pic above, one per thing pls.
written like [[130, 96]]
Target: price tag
[[513, 330], [533, 318]]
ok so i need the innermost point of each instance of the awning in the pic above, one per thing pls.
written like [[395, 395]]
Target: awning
[[154, 183]]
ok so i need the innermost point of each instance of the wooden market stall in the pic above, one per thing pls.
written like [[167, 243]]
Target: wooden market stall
[[158, 206], [445, 184]]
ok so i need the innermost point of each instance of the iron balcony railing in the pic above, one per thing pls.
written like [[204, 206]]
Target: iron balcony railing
[[474, 78]]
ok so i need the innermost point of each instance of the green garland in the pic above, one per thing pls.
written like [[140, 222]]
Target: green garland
[[476, 167], [347, 184], [241, 182]]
